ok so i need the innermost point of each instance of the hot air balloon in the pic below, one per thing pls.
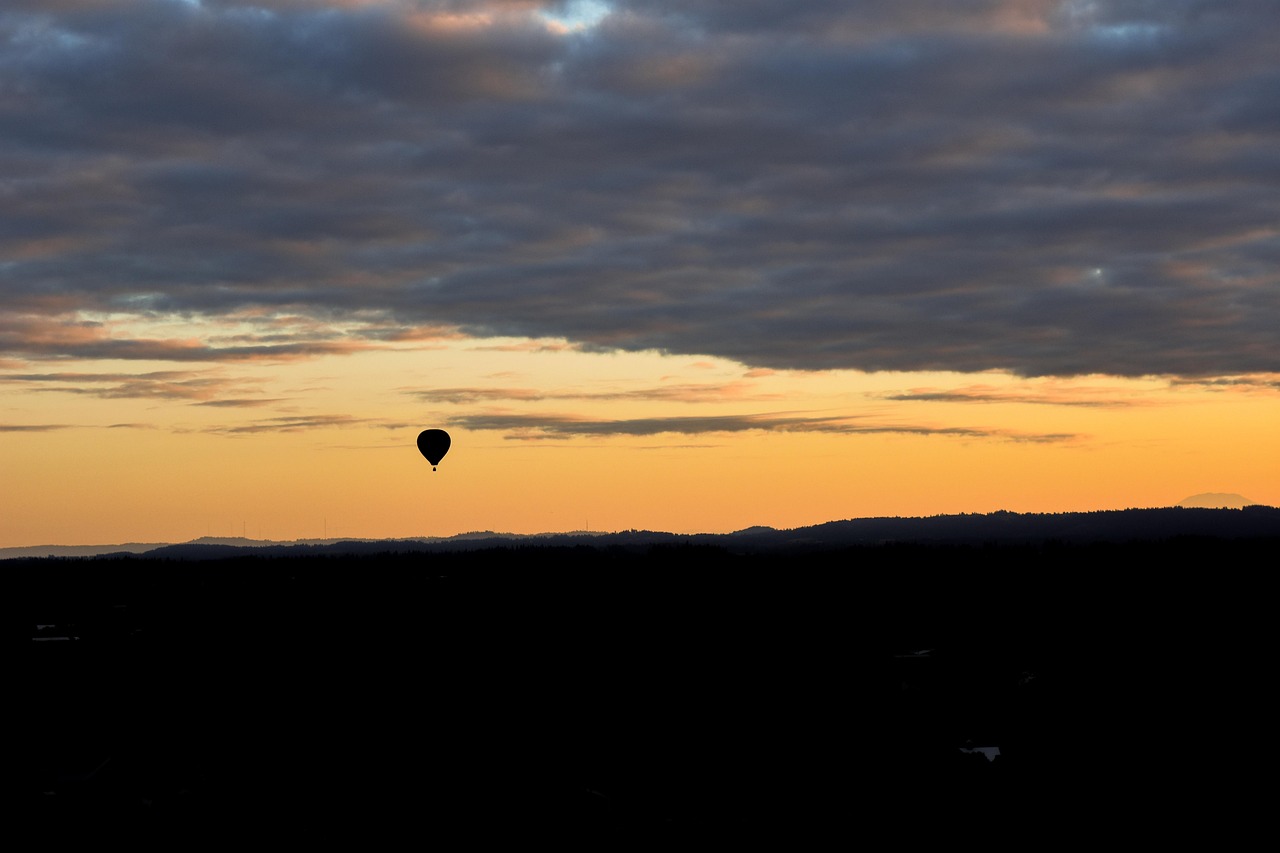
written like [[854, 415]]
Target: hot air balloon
[[433, 444]]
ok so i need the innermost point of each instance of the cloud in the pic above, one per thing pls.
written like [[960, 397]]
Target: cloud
[[1047, 187], [1049, 398], [41, 337], [686, 393], [163, 384], [543, 426], [472, 395], [1262, 384], [528, 346], [291, 423], [245, 403], [32, 427]]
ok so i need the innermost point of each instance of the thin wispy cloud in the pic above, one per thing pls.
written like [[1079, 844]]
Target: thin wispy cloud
[[168, 385], [1049, 188], [474, 395], [40, 338], [537, 427], [535, 346], [33, 427], [1264, 384], [290, 423], [963, 396], [246, 403], [688, 393]]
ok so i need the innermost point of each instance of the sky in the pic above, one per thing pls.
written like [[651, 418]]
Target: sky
[[682, 265]]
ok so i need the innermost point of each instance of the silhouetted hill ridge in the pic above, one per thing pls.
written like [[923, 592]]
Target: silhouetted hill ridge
[[997, 528], [649, 685]]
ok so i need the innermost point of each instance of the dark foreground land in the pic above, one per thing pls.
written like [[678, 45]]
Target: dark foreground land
[[653, 695]]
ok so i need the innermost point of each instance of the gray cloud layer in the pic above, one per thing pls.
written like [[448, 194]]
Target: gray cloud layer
[[1046, 187], [542, 426]]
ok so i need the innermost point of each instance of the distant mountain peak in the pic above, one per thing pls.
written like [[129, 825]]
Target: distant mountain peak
[[1216, 500]]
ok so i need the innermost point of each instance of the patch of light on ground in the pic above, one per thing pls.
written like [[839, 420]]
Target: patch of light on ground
[[990, 752]]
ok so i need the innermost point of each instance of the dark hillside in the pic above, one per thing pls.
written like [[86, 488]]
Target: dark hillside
[[610, 694]]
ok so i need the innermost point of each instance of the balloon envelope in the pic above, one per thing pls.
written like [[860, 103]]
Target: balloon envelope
[[433, 444]]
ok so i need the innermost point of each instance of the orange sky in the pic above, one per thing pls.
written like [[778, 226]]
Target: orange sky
[[548, 438]]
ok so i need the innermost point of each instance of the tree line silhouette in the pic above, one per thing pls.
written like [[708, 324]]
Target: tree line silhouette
[[625, 692]]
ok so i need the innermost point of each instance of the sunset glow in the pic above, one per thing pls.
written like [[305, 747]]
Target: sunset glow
[[547, 438], [671, 266]]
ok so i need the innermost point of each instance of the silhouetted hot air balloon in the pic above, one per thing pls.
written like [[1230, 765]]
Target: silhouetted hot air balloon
[[433, 444]]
